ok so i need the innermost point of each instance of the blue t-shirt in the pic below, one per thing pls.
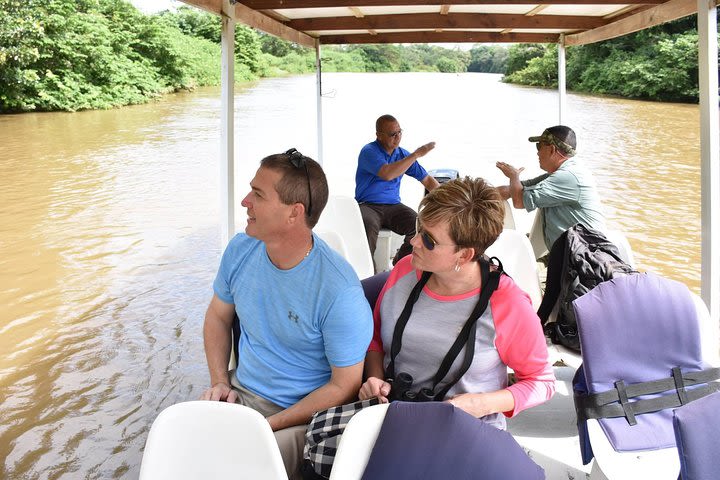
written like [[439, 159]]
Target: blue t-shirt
[[369, 188], [294, 323]]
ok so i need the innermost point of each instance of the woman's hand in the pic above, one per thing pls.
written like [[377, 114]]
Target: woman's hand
[[481, 404], [471, 403], [375, 387]]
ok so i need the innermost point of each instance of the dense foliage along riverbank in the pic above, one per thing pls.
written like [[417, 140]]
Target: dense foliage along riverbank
[[660, 63], [88, 54]]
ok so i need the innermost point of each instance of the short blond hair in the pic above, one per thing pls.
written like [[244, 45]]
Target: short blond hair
[[473, 209]]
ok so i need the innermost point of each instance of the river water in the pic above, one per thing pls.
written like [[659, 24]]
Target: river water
[[110, 232]]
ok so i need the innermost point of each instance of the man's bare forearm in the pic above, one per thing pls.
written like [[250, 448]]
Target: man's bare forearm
[[516, 192], [337, 391], [217, 339], [393, 170]]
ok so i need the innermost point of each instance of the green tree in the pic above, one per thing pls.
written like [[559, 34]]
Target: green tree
[[539, 71], [197, 23], [379, 58], [85, 54], [488, 59], [659, 63], [520, 54], [86, 57], [21, 35], [446, 65]]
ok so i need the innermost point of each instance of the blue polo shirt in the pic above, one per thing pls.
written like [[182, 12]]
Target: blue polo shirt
[[369, 188]]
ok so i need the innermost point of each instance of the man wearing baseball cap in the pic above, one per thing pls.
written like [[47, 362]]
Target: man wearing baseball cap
[[566, 194]]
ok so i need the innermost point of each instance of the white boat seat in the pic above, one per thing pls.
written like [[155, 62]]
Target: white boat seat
[[342, 216], [621, 242], [514, 251], [509, 219], [536, 235], [334, 241], [387, 245], [204, 439], [357, 442]]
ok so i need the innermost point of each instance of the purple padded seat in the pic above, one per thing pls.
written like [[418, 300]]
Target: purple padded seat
[[372, 286], [435, 440], [697, 433], [636, 329]]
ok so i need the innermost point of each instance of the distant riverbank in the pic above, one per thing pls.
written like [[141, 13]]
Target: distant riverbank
[[71, 56]]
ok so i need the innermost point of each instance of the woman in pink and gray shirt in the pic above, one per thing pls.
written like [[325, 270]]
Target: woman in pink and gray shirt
[[456, 223]]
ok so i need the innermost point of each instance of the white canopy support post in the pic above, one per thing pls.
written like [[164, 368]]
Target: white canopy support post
[[227, 147], [709, 158], [318, 82], [562, 88]]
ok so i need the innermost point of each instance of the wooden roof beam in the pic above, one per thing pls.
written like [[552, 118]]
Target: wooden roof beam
[[536, 10], [441, 37], [260, 21], [283, 4], [666, 12], [451, 20], [212, 6]]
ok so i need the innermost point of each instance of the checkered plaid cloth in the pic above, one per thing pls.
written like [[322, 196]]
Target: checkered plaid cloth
[[324, 432]]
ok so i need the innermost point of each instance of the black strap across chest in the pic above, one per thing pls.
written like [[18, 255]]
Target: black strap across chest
[[490, 281]]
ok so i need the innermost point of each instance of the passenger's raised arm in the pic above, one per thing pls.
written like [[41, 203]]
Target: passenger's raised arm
[[566, 193]]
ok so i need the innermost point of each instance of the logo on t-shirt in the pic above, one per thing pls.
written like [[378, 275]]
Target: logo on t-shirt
[[293, 317]]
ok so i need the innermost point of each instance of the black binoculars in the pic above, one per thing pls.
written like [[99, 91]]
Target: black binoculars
[[400, 390]]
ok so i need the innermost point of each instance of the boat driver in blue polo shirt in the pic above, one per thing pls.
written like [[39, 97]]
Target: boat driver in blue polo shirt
[[381, 165]]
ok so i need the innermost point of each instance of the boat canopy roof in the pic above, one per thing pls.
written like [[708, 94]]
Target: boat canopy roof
[[571, 22]]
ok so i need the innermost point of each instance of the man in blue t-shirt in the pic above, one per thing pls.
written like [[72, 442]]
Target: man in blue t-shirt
[[305, 324], [381, 165]]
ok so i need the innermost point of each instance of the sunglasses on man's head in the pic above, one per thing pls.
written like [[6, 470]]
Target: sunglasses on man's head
[[428, 241], [298, 160], [395, 134]]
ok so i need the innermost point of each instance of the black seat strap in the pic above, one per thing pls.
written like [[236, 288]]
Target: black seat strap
[[625, 403], [679, 385], [616, 402]]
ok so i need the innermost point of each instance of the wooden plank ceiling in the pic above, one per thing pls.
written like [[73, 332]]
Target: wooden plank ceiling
[[477, 21]]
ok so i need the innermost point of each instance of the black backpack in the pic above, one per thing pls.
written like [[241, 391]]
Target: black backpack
[[589, 259]]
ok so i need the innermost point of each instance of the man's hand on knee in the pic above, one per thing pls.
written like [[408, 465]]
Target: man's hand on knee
[[220, 392]]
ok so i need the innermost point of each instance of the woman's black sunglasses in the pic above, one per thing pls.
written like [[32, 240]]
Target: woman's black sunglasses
[[428, 241], [300, 161]]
